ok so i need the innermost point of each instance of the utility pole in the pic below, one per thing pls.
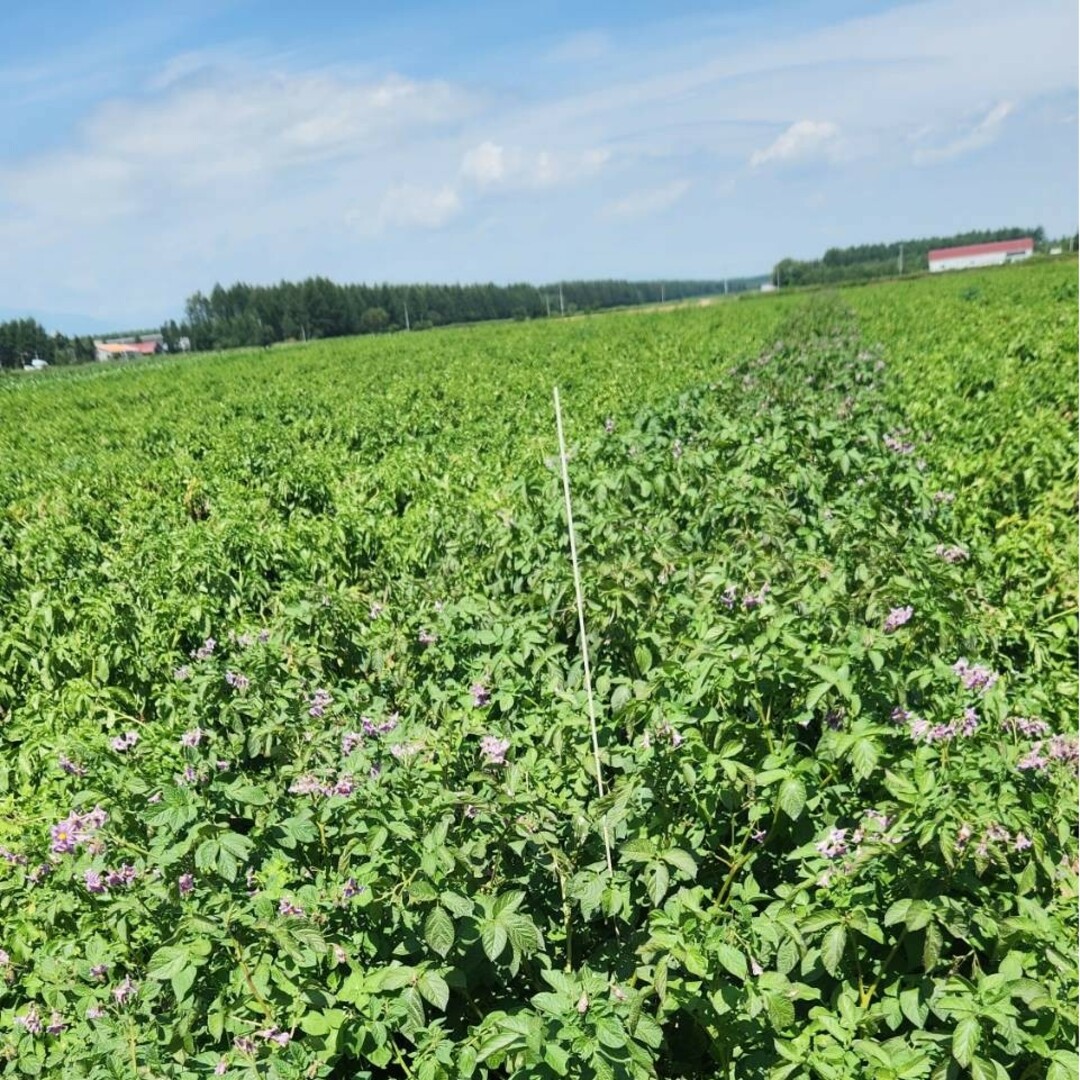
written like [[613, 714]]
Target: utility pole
[[901, 258], [406, 315], [562, 310], [725, 286], [547, 300], [661, 292]]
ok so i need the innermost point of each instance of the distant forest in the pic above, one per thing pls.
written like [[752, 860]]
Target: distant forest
[[318, 308], [22, 340], [869, 261]]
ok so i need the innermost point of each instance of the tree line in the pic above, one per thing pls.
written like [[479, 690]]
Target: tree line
[[23, 340], [867, 261], [244, 314]]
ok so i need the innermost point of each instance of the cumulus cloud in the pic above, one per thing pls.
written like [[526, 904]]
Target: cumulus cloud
[[490, 165], [412, 206], [203, 135], [984, 132], [803, 140], [648, 201]]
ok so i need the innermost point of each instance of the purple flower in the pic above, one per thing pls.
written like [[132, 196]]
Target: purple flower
[[1064, 748], [263, 637], [898, 446], [727, 597], [318, 702], [221, 766], [96, 818], [307, 785], [70, 767], [221, 1068], [877, 817], [344, 786], [754, 600], [1033, 761], [970, 723], [900, 716], [755, 968], [834, 845], [350, 741], [155, 798], [1021, 842], [30, 1021], [943, 496], [237, 681], [5, 959], [181, 673], [185, 883], [243, 1045], [494, 749], [65, 835], [125, 990], [95, 1012], [205, 650], [190, 776], [963, 836], [1029, 728], [676, 449], [57, 1023], [403, 751], [426, 638], [40, 871], [272, 1034], [481, 695], [99, 971], [124, 876], [758, 836], [288, 908], [975, 676], [351, 889], [192, 738], [94, 882], [375, 611], [609, 425], [951, 554], [897, 618]]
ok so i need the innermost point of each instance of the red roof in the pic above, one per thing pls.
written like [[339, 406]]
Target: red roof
[[996, 247]]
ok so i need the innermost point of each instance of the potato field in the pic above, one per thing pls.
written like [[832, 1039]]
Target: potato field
[[297, 779]]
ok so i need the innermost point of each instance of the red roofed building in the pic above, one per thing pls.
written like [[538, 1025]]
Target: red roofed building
[[972, 255], [110, 350]]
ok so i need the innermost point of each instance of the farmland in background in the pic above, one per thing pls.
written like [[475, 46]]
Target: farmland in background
[[296, 777]]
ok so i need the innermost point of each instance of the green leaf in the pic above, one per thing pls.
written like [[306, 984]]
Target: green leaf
[[182, 982], [434, 989], [932, 943], [780, 1010], [792, 797], [965, 1040], [897, 912], [864, 757], [731, 959], [414, 1006], [832, 948], [493, 938], [656, 877], [681, 860], [557, 1058], [439, 931]]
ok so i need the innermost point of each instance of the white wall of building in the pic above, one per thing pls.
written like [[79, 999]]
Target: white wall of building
[[969, 262]]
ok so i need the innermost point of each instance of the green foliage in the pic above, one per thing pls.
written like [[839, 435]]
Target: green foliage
[[296, 776]]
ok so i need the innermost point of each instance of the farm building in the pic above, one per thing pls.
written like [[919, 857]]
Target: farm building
[[972, 255], [111, 350]]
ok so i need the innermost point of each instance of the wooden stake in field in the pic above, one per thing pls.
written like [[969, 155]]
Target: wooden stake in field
[[581, 619]]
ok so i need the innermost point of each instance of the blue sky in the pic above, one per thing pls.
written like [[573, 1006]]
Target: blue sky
[[148, 150]]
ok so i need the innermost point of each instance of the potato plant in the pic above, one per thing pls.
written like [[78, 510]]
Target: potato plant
[[297, 780]]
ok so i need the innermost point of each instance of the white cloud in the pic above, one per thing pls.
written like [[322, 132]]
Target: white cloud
[[804, 139], [981, 134], [491, 165], [484, 164], [648, 201], [411, 206]]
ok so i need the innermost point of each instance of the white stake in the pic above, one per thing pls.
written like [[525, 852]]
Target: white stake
[[581, 620]]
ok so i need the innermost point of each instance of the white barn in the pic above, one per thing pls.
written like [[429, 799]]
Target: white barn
[[972, 255]]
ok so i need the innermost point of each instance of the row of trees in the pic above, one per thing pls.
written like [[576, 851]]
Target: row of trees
[[22, 340], [318, 308], [867, 261]]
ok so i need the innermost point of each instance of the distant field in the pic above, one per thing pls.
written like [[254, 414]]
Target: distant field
[[296, 777]]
